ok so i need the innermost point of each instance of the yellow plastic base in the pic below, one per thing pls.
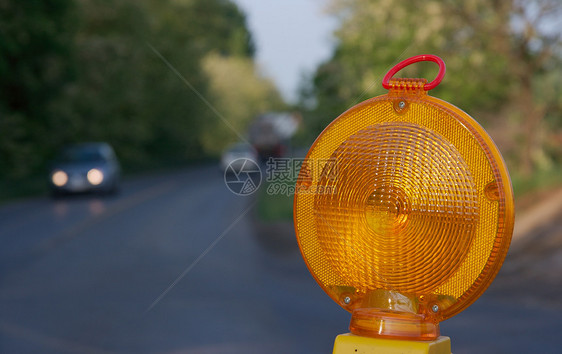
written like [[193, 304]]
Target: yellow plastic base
[[351, 344]]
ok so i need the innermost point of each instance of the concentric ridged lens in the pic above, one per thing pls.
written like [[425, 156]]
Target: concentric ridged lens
[[401, 192]]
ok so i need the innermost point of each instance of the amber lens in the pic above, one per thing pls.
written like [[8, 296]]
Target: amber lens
[[401, 192], [406, 194]]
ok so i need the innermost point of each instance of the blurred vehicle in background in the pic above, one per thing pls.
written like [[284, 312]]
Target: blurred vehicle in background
[[238, 151], [270, 134], [85, 167]]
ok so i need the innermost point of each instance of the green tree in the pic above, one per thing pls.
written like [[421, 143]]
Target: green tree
[[497, 55], [128, 91], [106, 101], [36, 63], [185, 32], [234, 80], [117, 71]]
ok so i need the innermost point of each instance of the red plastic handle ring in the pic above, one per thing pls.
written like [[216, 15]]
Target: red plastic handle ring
[[412, 60]]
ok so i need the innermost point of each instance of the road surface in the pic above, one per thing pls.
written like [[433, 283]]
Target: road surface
[[174, 264]]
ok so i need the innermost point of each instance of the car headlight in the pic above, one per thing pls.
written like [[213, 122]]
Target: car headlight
[[59, 178], [95, 176]]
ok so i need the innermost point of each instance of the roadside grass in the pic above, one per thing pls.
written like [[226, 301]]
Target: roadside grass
[[274, 203], [539, 181]]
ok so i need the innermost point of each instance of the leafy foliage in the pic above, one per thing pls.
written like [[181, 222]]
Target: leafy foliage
[[35, 63], [504, 61], [236, 80], [116, 71]]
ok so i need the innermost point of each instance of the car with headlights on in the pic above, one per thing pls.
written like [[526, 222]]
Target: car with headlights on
[[85, 167]]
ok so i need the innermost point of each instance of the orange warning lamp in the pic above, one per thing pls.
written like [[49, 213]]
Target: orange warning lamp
[[404, 210]]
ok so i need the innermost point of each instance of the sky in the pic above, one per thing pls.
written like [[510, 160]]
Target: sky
[[292, 37]]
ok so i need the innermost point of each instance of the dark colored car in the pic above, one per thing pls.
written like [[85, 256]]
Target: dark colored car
[[86, 167]]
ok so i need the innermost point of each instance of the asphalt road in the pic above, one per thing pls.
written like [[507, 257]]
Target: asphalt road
[[175, 264]]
